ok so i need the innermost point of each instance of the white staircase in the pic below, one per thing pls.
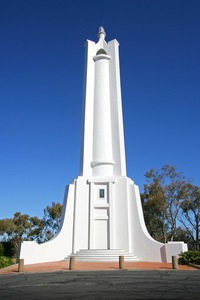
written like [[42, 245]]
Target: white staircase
[[102, 255]]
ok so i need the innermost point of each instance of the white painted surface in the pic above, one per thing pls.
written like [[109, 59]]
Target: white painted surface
[[102, 208], [174, 248]]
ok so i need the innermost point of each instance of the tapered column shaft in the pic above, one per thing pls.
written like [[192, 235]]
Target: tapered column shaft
[[102, 140]]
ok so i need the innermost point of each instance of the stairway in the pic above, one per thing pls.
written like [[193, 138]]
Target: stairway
[[102, 255]]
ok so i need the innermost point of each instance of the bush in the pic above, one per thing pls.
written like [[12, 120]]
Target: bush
[[1, 250], [8, 249], [189, 257], [5, 262]]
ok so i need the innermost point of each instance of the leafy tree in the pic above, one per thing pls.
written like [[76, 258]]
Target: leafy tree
[[190, 217], [181, 234], [163, 194], [51, 220], [153, 202], [22, 227]]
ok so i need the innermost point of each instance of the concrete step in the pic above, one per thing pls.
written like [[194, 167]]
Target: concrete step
[[103, 255]]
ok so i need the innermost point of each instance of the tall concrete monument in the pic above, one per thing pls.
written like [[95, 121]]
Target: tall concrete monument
[[102, 215]]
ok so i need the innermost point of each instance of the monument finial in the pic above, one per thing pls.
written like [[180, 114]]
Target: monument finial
[[101, 32]]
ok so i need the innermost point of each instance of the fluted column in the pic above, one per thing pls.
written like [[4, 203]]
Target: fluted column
[[102, 139]]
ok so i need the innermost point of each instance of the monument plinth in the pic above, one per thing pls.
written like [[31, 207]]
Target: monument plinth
[[102, 216]]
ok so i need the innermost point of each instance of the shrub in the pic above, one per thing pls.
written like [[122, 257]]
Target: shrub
[[189, 257], [9, 250], [1, 249], [5, 262]]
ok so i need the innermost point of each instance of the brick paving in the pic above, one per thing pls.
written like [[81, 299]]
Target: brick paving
[[64, 266]]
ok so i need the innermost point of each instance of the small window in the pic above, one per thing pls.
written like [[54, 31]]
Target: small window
[[101, 193]]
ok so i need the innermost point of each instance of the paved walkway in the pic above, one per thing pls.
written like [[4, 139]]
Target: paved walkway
[[64, 266]]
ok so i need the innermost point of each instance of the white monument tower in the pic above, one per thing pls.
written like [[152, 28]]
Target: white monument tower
[[102, 215]]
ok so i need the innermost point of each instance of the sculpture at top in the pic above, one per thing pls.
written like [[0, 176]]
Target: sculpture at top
[[102, 215], [101, 32]]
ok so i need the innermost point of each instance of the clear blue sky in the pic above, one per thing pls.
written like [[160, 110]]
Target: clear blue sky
[[41, 88]]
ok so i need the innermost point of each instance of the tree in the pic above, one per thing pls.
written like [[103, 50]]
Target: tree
[[154, 208], [190, 217], [181, 234], [51, 220], [163, 194], [21, 228]]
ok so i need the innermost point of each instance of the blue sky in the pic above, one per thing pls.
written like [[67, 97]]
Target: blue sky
[[41, 89]]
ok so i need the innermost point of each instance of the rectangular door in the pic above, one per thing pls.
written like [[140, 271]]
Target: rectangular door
[[101, 217], [100, 234]]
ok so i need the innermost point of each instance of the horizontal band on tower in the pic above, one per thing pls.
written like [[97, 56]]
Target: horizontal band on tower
[[101, 56], [101, 162]]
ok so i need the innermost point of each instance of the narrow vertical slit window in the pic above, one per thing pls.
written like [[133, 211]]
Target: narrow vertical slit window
[[101, 193]]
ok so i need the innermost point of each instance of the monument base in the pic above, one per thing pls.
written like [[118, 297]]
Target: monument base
[[101, 214]]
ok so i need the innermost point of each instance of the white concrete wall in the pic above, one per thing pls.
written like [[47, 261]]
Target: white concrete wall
[[174, 248], [119, 168], [120, 215], [143, 244], [81, 215]]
